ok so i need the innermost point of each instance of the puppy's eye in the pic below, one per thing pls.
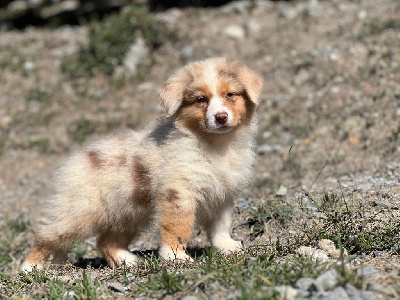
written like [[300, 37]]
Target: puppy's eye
[[202, 100], [230, 95]]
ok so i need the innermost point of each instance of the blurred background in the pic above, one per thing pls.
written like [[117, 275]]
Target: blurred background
[[72, 72]]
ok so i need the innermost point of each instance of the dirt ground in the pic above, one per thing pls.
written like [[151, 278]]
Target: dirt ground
[[329, 114]]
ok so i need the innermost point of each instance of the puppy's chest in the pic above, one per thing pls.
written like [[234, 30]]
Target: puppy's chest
[[225, 172]]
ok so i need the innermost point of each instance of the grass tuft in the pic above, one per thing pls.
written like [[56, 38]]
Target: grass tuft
[[351, 225], [110, 40], [264, 214]]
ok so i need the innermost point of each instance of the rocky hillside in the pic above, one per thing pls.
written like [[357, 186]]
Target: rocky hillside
[[329, 119]]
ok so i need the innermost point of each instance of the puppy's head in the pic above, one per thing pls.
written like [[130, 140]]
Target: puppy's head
[[214, 95]]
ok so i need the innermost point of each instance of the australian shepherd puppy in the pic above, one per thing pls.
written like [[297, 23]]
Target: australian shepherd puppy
[[188, 167]]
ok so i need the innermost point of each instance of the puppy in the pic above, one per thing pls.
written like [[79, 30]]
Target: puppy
[[188, 167]]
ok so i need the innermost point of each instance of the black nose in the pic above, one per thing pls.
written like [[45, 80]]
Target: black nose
[[221, 117]]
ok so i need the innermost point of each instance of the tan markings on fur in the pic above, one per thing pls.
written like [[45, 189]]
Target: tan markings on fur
[[41, 252], [141, 181], [94, 158], [192, 114], [176, 224], [110, 243], [237, 104]]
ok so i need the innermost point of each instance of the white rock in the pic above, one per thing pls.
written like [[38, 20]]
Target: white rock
[[285, 291], [145, 86], [282, 191], [329, 279], [29, 65], [35, 3], [338, 293], [235, 32], [362, 14], [190, 298], [187, 51], [17, 5], [236, 6], [308, 284], [312, 253], [368, 272], [136, 53], [253, 26], [5, 121], [266, 134], [329, 247], [264, 149]]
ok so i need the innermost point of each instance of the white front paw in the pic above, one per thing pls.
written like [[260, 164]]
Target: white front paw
[[126, 257], [167, 253], [228, 246]]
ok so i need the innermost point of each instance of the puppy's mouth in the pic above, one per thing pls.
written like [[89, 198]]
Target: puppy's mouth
[[220, 129]]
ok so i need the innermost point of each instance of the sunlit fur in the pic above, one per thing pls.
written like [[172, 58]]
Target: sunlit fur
[[185, 168]]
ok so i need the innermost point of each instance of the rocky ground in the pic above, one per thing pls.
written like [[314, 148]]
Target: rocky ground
[[329, 126]]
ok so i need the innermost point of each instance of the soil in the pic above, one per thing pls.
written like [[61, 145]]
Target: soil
[[329, 114]]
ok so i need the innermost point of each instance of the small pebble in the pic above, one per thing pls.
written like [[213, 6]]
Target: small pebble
[[282, 191]]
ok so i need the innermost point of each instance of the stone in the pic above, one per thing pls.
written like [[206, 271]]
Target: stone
[[368, 295], [116, 287], [145, 86], [338, 293], [312, 253], [379, 253], [5, 121], [282, 191], [236, 7], [18, 5], [264, 149], [329, 247], [321, 296], [308, 284], [367, 272], [376, 287], [135, 55], [253, 26], [285, 291], [29, 66], [187, 51], [362, 186], [353, 292], [190, 298], [234, 31], [329, 279]]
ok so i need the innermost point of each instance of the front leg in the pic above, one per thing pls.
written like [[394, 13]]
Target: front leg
[[177, 214], [218, 231]]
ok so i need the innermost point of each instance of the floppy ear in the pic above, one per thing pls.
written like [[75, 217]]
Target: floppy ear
[[171, 96], [252, 82]]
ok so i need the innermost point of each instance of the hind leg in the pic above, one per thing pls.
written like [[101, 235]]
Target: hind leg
[[41, 252], [114, 247]]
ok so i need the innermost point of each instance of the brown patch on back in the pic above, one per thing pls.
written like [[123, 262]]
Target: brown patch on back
[[94, 158], [141, 181]]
